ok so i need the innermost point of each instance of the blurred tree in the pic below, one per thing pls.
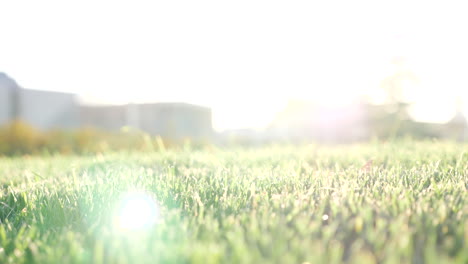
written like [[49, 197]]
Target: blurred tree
[[395, 84], [392, 119], [457, 127]]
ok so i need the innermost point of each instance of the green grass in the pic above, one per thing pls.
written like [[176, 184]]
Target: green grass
[[287, 204]]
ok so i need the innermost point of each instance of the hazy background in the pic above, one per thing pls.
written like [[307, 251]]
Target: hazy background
[[244, 59]]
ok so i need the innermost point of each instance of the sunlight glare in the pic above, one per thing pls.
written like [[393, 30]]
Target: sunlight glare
[[136, 211]]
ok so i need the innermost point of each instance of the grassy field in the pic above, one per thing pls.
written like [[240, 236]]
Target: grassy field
[[309, 204]]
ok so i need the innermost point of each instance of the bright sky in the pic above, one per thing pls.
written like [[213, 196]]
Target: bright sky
[[245, 59]]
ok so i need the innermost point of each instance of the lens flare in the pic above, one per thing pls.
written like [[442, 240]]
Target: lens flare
[[136, 211]]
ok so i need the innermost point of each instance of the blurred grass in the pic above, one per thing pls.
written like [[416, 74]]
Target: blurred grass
[[281, 204]]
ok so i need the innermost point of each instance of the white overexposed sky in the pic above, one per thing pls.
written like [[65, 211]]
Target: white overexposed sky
[[245, 59]]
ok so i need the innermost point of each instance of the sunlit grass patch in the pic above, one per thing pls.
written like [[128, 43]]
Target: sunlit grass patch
[[279, 204]]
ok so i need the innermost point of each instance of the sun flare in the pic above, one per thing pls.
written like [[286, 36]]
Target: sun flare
[[136, 211]]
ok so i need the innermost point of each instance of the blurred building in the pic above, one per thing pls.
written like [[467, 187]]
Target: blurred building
[[104, 117], [8, 98], [47, 110], [169, 120], [41, 109], [173, 120]]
